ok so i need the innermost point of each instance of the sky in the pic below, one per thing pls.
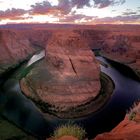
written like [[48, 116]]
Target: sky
[[70, 11]]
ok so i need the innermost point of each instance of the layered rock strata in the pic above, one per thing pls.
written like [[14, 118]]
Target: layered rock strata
[[18, 45], [68, 77], [14, 48]]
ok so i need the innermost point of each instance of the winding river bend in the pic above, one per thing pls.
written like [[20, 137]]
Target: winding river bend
[[23, 112]]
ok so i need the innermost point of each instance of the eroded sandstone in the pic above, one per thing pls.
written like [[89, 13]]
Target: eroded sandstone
[[68, 77], [128, 129]]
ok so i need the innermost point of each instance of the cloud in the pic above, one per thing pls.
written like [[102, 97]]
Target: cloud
[[73, 18], [12, 13], [65, 6], [129, 13], [63, 11], [41, 8], [80, 3], [106, 3], [45, 8], [102, 3], [130, 18]]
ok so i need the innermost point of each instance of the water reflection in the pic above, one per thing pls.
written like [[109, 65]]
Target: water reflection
[[36, 57]]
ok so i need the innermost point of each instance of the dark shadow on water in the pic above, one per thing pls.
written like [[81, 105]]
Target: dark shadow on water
[[123, 69], [22, 111]]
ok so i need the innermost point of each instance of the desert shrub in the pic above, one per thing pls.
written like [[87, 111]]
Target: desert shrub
[[70, 130], [135, 109]]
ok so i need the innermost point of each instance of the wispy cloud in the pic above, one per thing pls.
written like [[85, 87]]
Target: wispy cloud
[[63, 11], [130, 18], [129, 13], [12, 13]]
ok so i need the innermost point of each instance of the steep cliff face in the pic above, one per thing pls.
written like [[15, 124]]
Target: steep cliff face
[[94, 38], [125, 48], [128, 129], [64, 79], [37, 37], [14, 47], [17, 45], [119, 43]]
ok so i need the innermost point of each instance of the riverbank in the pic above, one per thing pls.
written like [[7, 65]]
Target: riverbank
[[8, 131], [15, 70], [129, 64]]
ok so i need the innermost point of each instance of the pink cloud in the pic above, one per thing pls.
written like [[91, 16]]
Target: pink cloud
[[12, 13]]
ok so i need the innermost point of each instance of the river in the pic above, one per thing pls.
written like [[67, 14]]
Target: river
[[23, 112]]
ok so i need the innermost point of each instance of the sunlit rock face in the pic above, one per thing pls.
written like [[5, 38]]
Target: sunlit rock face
[[124, 47], [119, 43], [126, 130], [67, 78]]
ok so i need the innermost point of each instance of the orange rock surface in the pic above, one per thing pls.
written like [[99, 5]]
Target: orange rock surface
[[14, 47], [126, 130], [68, 77]]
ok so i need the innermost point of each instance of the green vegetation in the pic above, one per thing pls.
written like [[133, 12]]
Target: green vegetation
[[25, 71], [70, 130], [9, 131], [132, 116]]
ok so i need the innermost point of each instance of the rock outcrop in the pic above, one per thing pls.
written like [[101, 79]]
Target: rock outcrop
[[68, 77], [18, 45], [119, 43], [128, 129], [14, 48]]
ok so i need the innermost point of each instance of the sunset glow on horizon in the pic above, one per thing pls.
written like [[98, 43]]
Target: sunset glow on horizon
[[70, 11]]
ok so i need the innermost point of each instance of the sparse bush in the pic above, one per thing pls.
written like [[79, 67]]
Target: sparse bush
[[70, 130], [134, 111], [132, 116]]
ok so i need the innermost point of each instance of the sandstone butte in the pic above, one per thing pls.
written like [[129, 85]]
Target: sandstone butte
[[68, 77], [126, 130]]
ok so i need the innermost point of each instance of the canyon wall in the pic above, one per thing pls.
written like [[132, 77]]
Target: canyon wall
[[18, 45], [120, 43], [117, 42]]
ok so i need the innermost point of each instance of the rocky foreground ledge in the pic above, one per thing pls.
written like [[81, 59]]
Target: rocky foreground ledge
[[67, 79], [128, 129]]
